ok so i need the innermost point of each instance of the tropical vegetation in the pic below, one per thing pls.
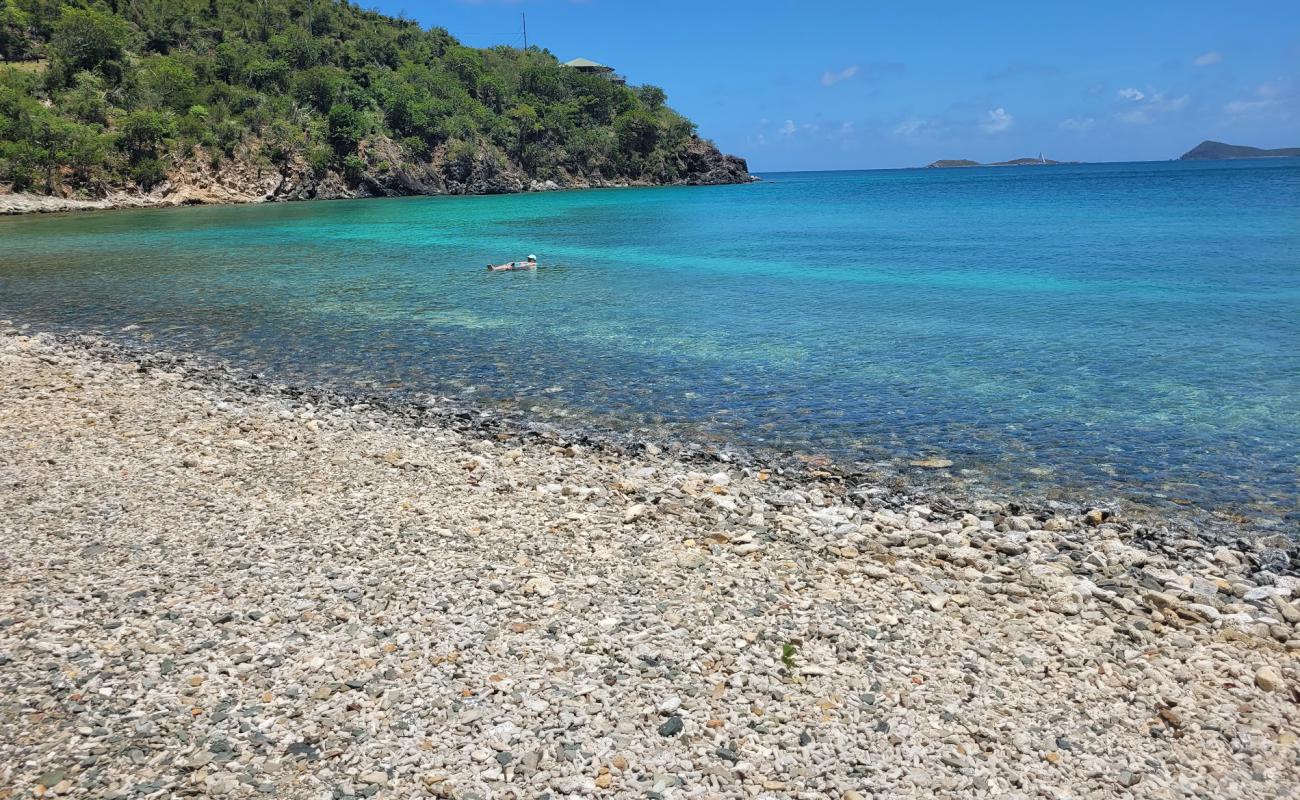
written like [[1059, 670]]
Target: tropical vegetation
[[96, 95]]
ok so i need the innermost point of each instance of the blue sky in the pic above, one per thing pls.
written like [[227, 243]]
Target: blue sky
[[859, 85]]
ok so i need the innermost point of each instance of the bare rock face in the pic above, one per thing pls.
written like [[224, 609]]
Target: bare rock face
[[388, 172], [704, 164]]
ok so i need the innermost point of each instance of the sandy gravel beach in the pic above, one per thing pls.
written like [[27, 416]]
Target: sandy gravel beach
[[207, 590]]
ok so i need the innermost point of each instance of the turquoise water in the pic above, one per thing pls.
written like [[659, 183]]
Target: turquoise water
[[1116, 331]]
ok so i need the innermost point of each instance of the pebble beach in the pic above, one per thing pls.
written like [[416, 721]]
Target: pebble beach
[[214, 587]]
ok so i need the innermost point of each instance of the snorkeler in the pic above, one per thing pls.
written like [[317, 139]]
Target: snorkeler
[[509, 266]]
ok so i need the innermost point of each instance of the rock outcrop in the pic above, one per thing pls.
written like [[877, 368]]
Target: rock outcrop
[[387, 173], [705, 165]]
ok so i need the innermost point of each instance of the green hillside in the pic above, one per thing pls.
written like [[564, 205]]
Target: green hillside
[[324, 97]]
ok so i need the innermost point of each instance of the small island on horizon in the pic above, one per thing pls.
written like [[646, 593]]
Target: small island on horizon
[[951, 163], [1210, 150]]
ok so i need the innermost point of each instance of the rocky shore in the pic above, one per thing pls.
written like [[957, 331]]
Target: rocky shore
[[196, 181], [217, 587]]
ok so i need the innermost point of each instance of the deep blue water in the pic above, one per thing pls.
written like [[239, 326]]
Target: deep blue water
[[1110, 331]]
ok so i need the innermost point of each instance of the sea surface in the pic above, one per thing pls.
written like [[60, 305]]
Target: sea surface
[[1111, 332]]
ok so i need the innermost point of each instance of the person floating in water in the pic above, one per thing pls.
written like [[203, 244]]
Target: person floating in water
[[510, 266]]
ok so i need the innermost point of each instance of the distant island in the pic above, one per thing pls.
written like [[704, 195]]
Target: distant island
[[949, 163], [1218, 151]]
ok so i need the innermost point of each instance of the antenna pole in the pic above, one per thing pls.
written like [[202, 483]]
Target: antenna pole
[[525, 18]]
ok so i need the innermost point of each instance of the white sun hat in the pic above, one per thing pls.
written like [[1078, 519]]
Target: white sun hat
[[532, 257]]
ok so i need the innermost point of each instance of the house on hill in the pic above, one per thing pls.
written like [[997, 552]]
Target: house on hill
[[593, 68]]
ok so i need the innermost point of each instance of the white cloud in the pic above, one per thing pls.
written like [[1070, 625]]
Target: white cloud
[[831, 78], [1246, 106], [1162, 103], [790, 128], [1266, 97], [912, 126], [1078, 124], [1142, 107], [1206, 59], [997, 121]]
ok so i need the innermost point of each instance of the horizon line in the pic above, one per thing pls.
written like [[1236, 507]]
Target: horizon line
[[1059, 164]]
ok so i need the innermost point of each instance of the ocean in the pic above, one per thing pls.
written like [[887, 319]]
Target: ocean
[[1103, 332]]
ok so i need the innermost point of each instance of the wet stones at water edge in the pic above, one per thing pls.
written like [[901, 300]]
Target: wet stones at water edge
[[933, 462]]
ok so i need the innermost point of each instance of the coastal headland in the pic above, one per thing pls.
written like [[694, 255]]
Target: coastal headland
[[197, 184], [240, 101], [218, 586], [1218, 151]]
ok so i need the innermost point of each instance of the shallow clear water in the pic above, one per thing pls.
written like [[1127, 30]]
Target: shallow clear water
[[1117, 330]]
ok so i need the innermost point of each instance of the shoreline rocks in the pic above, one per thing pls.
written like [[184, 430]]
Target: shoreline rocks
[[196, 182], [219, 587]]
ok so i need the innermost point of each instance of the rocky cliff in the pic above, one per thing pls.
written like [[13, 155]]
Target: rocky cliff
[[201, 180]]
